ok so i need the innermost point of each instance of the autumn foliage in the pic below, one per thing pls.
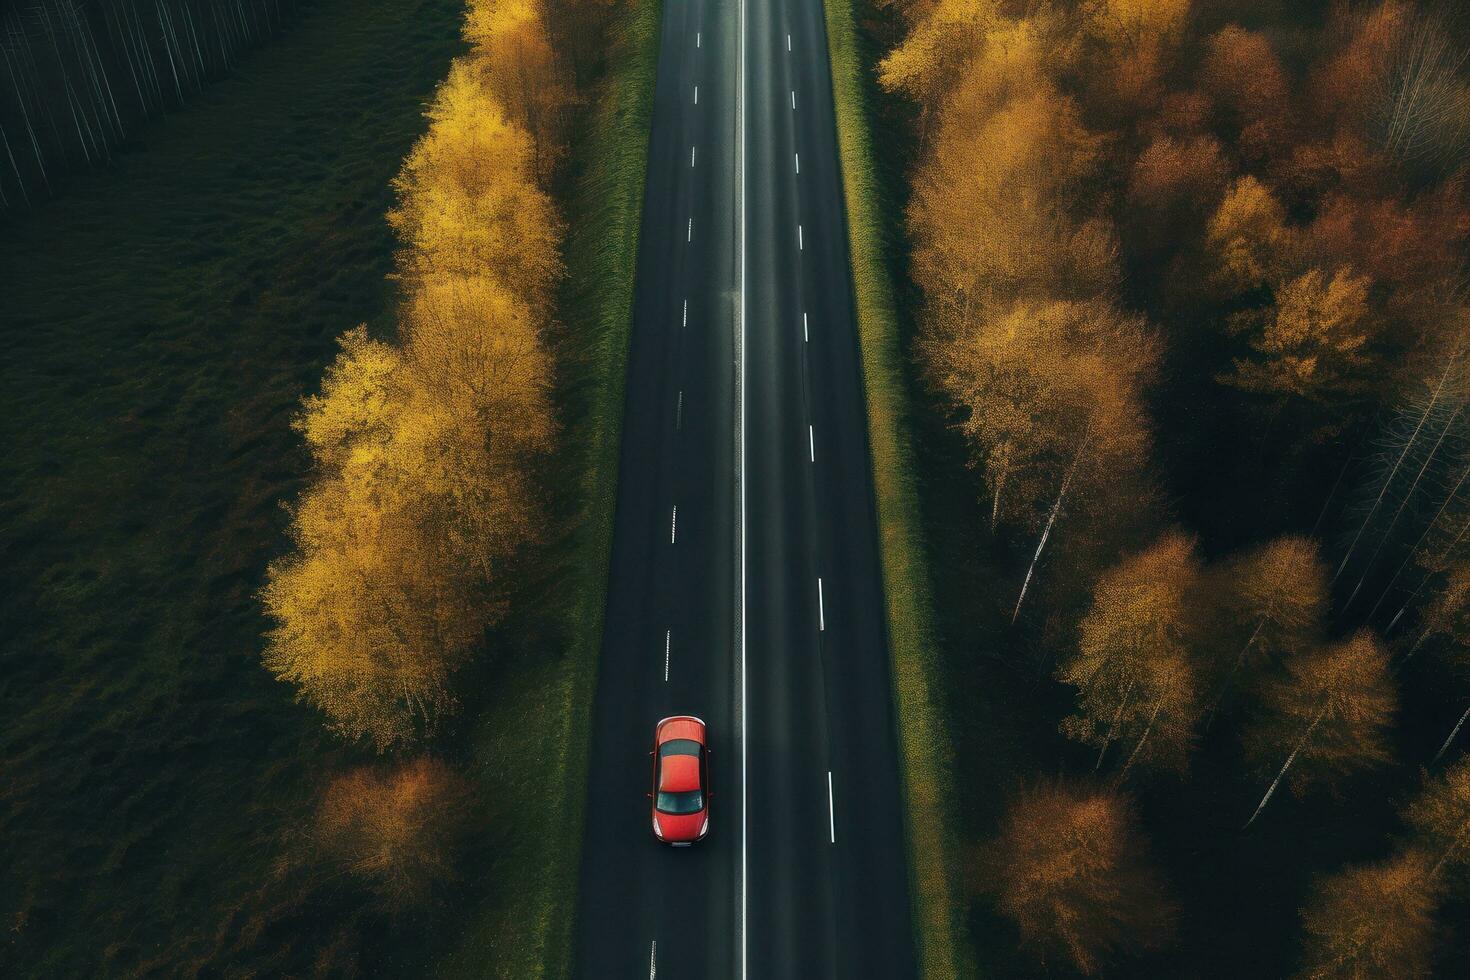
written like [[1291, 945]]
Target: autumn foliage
[[1129, 216], [1069, 868], [396, 830], [423, 445]]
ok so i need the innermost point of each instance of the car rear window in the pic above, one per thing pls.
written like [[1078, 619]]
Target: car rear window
[[678, 746]]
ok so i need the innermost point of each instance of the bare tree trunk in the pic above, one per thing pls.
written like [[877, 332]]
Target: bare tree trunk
[[1287, 765], [1448, 851], [1425, 580], [1158, 705], [1420, 543], [1387, 534], [1051, 519], [19, 180], [1239, 659], [1388, 481], [1453, 732], [1113, 728]]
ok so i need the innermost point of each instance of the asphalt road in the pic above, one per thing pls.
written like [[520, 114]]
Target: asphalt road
[[745, 582]]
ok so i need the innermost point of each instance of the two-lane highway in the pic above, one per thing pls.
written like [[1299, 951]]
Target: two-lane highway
[[745, 585]]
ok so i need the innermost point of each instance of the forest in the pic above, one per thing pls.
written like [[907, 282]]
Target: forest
[[1188, 292], [83, 76]]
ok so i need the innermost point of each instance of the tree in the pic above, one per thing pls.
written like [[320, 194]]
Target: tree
[[1277, 595], [991, 210], [952, 32], [1134, 670], [397, 830], [1329, 712], [1051, 398], [1070, 870], [1440, 820], [1312, 343], [1249, 237], [1137, 39], [513, 48], [1422, 111], [1245, 78], [1372, 922], [468, 203], [1173, 184], [392, 579]]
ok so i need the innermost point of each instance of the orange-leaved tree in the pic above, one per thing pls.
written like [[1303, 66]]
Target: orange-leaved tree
[[1070, 869], [1328, 713], [1134, 668]]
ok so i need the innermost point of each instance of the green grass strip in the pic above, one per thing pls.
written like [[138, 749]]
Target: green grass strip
[[603, 215], [925, 751]]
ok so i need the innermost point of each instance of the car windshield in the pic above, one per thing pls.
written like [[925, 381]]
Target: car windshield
[[691, 802]]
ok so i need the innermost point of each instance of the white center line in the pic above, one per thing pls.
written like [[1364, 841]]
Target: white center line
[[821, 609], [667, 635], [686, 314], [691, 231], [793, 98], [805, 336], [788, 42], [800, 246], [696, 39], [674, 525], [811, 441], [831, 811], [696, 95], [798, 163], [691, 156], [653, 960], [740, 478], [679, 412]]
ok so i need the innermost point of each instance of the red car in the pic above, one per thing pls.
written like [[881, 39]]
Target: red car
[[680, 781]]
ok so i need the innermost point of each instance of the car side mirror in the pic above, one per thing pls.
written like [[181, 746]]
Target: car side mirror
[[649, 795]]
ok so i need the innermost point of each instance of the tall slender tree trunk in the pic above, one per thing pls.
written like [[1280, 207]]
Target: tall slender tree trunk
[[1449, 499], [1388, 481], [1239, 659], [1453, 732], [1051, 518], [19, 180], [1449, 851], [1158, 706], [1425, 580], [1270, 792], [1387, 534], [1113, 728]]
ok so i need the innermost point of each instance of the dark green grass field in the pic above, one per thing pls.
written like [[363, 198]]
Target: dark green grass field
[[161, 320]]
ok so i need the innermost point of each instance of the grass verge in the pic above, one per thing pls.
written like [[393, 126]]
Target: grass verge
[[925, 752], [533, 737]]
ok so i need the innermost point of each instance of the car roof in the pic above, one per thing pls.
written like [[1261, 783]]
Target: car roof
[[679, 774]]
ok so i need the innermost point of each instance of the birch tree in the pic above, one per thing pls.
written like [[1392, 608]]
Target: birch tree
[[1439, 818], [1275, 597], [1327, 715], [1372, 921], [1134, 668]]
